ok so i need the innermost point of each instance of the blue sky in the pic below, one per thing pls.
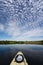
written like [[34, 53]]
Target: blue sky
[[21, 20]]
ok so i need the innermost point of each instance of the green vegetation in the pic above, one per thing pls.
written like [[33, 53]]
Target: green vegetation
[[22, 42]]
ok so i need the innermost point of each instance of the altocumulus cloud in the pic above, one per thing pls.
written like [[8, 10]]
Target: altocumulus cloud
[[22, 19]]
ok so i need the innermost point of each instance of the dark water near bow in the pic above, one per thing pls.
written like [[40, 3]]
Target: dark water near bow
[[32, 53]]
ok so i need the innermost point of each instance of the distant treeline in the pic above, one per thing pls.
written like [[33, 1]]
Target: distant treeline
[[21, 42]]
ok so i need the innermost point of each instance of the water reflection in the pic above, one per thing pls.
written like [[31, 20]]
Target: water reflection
[[33, 53]]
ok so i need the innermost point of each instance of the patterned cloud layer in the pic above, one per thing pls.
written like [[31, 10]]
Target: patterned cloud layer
[[17, 17]]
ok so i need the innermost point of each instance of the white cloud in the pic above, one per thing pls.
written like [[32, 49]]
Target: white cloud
[[16, 33], [24, 19], [1, 27], [12, 29], [32, 33], [11, 1], [21, 33]]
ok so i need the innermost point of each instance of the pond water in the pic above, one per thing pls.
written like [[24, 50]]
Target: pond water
[[32, 53]]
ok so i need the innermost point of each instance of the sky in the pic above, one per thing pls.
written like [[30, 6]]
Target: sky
[[21, 20]]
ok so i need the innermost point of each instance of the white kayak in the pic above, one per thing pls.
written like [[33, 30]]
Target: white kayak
[[19, 59]]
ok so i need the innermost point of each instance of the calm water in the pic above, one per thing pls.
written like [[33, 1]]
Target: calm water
[[33, 53]]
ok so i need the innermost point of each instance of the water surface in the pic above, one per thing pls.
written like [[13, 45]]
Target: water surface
[[33, 53]]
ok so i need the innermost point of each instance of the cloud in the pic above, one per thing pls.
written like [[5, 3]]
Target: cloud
[[22, 33], [31, 35], [1, 27], [23, 19], [12, 29], [11, 1]]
